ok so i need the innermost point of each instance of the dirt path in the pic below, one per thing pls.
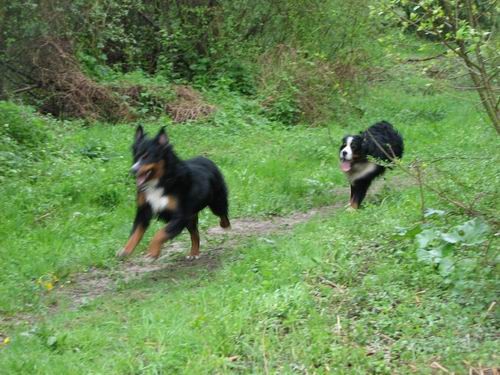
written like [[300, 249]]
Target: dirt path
[[84, 287]]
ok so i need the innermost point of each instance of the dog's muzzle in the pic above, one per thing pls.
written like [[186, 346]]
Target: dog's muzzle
[[135, 168]]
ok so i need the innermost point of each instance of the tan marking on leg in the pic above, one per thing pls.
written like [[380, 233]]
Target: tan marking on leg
[[141, 199], [132, 242], [171, 203], [156, 243], [195, 243]]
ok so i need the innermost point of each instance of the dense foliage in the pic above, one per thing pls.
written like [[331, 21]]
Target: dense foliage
[[298, 57]]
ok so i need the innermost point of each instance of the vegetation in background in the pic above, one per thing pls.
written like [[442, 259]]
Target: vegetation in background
[[467, 29], [300, 59]]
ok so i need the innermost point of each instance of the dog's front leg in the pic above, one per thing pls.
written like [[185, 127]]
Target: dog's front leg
[[358, 192], [141, 222], [173, 228]]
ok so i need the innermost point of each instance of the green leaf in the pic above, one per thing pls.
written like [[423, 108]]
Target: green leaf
[[451, 237], [52, 341], [446, 266], [475, 231], [433, 212], [470, 233], [429, 256], [409, 232], [447, 250], [426, 237]]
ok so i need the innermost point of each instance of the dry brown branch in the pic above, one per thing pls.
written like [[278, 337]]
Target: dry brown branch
[[425, 58], [189, 105], [67, 91]]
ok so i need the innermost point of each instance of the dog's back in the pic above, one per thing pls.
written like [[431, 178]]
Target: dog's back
[[383, 135]]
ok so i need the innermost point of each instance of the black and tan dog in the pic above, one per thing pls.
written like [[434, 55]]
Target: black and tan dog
[[381, 142], [174, 191]]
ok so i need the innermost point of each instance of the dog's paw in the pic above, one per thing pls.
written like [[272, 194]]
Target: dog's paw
[[148, 258], [350, 209], [121, 253], [192, 257]]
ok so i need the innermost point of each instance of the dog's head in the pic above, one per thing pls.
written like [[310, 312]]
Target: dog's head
[[149, 156], [351, 151]]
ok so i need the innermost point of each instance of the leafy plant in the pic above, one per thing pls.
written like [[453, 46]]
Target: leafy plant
[[440, 246]]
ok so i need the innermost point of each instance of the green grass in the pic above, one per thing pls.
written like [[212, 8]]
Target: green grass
[[339, 294]]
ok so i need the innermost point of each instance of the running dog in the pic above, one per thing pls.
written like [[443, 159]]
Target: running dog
[[380, 141], [174, 191]]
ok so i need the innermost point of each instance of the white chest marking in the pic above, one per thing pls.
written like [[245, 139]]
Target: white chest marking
[[156, 199], [360, 170]]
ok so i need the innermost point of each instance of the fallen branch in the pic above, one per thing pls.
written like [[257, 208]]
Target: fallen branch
[[425, 58], [24, 89]]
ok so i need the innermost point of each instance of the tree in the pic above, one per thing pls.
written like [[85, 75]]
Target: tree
[[464, 27]]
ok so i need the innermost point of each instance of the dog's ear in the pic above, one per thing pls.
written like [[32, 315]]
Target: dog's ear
[[139, 133], [162, 137]]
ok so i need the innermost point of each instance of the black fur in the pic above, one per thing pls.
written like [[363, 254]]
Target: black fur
[[187, 185], [380, 141]]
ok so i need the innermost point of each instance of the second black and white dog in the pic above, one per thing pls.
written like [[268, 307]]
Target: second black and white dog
[[380, 141]]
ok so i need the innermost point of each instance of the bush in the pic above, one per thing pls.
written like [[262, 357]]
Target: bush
[[20, 126], [24, 137]]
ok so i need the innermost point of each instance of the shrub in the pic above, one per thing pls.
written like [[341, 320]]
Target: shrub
[[24, 137], [19, 124]]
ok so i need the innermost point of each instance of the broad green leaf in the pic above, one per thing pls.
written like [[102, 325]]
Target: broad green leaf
[[426, 237], [451, 237], [52, 341], [472, 232], [409, 232], [429, 256], [446, 266], [433, 212]]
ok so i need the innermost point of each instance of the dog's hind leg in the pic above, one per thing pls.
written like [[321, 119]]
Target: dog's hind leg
[[224, 222], [192, 227]]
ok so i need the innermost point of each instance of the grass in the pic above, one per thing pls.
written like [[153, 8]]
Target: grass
[[342, 293]]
